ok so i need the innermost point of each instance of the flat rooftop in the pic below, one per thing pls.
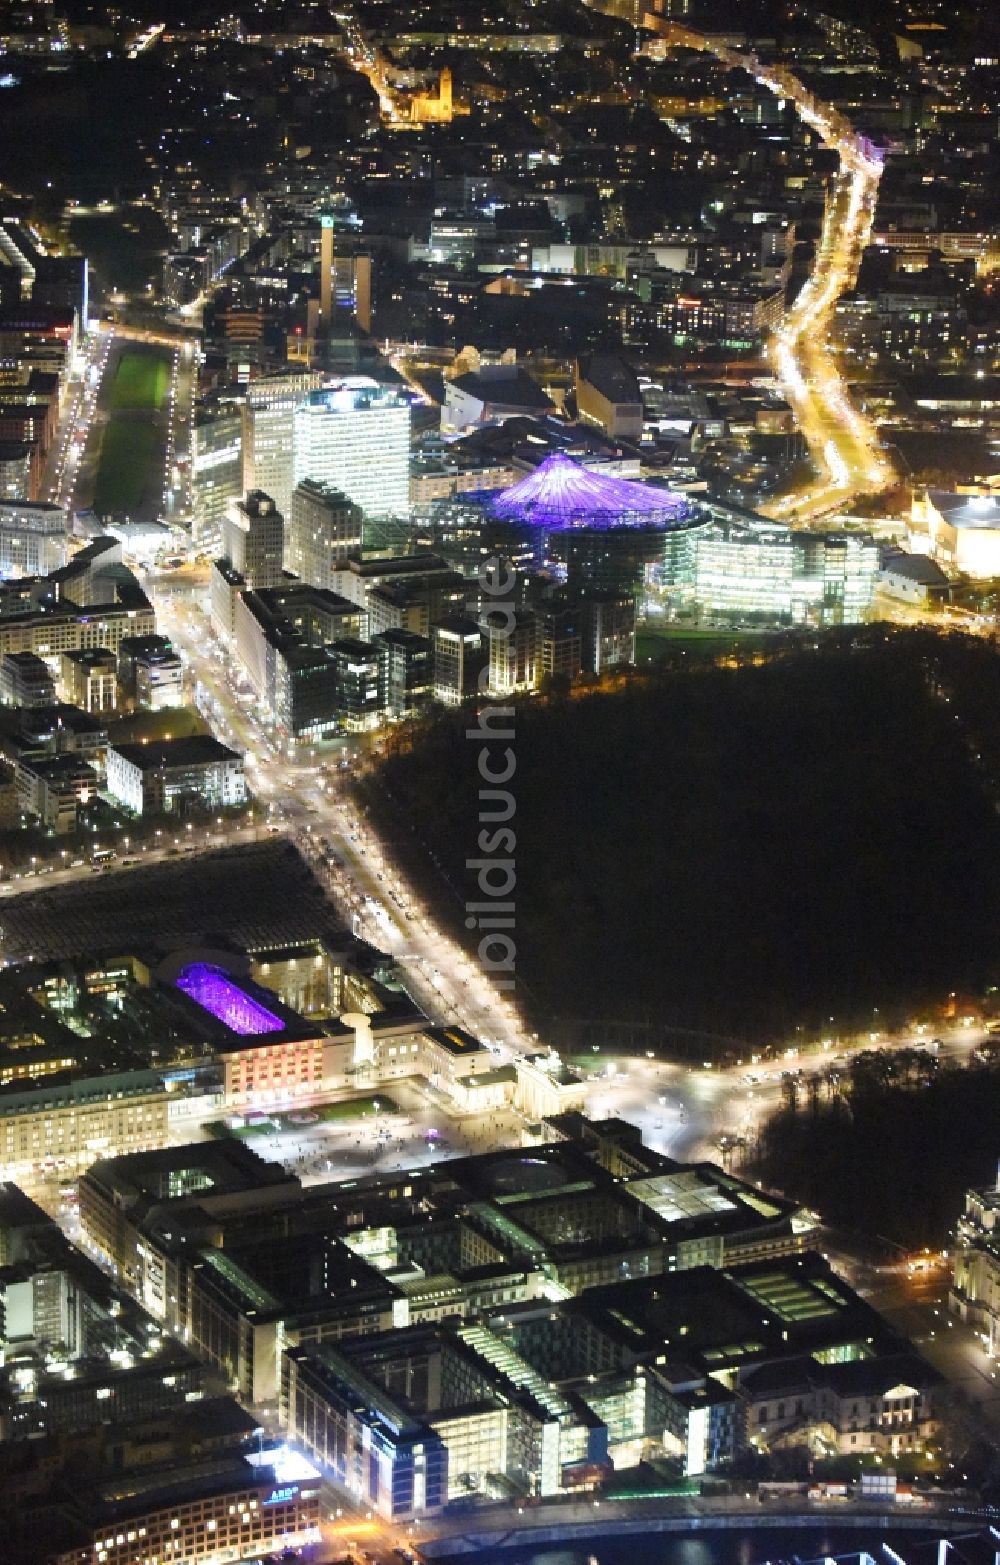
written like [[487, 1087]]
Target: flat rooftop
[[140, 1491], [454, 1040], [163, 754], [967, 510], [177, 1173], [674, 1197]]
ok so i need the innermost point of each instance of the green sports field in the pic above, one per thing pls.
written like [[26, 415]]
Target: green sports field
[[127, 452], [132, 445], [140, 383]]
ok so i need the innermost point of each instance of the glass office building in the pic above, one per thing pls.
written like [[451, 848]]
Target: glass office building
[[216, 469], [762, 571], [354, 436]]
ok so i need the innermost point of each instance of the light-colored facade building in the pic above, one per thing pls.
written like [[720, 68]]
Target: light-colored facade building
[[261, 1071], [159, 682], [324, 528], [224, 588], [198, 1515], [459, 659], [975, 1287], [253, 539], [608, 396], [90, 679], [55, 1131], [912, 578], [150, 673], [268, 432], [16, 470], [53, 787], [49, 634], [607, 620], [880, 1406], [546, 1086], [156, 779], [960, 531], [26, 680], [513, 652]]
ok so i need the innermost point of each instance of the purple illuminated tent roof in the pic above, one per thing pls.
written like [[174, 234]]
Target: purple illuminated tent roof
[[216, 993], [561, 493]]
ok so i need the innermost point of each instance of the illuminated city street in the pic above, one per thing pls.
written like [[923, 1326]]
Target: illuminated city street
[[306, 797], [842, 443], [499, 784]]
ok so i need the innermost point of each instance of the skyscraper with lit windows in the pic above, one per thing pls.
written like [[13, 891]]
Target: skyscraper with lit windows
[[355, 436]]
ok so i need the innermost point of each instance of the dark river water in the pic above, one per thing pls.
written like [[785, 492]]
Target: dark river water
[[751, 1547]]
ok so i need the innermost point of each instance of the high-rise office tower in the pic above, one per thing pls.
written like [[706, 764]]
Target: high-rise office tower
[[323, 529], [327, 279], [267, 432], [253, 536], [355, 436], [344, 280], [352, 287], [216, 468]]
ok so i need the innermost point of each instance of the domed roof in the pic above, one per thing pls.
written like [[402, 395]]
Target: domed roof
[[562, 493]]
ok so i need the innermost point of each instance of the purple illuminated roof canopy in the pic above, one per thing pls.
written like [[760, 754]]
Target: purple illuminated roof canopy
[[561, 493], [216, 993]]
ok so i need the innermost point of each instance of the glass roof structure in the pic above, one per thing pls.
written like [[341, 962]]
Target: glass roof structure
[[674, 1197], [794, 1299], [217, 994], [561, 493]]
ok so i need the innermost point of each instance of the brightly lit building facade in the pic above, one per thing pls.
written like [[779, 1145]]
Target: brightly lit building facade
[[379, 1451], [266, 1051], [514, 1325], [561, 493], [203, 1514], [323, 528], [603, 533], [960, 531], [216, 469], [745, 569], [57, 1130], [489, 1421], [592, 530], [163, 777], [33, 538], [975, 1287], [266, 436], [355, 436]]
